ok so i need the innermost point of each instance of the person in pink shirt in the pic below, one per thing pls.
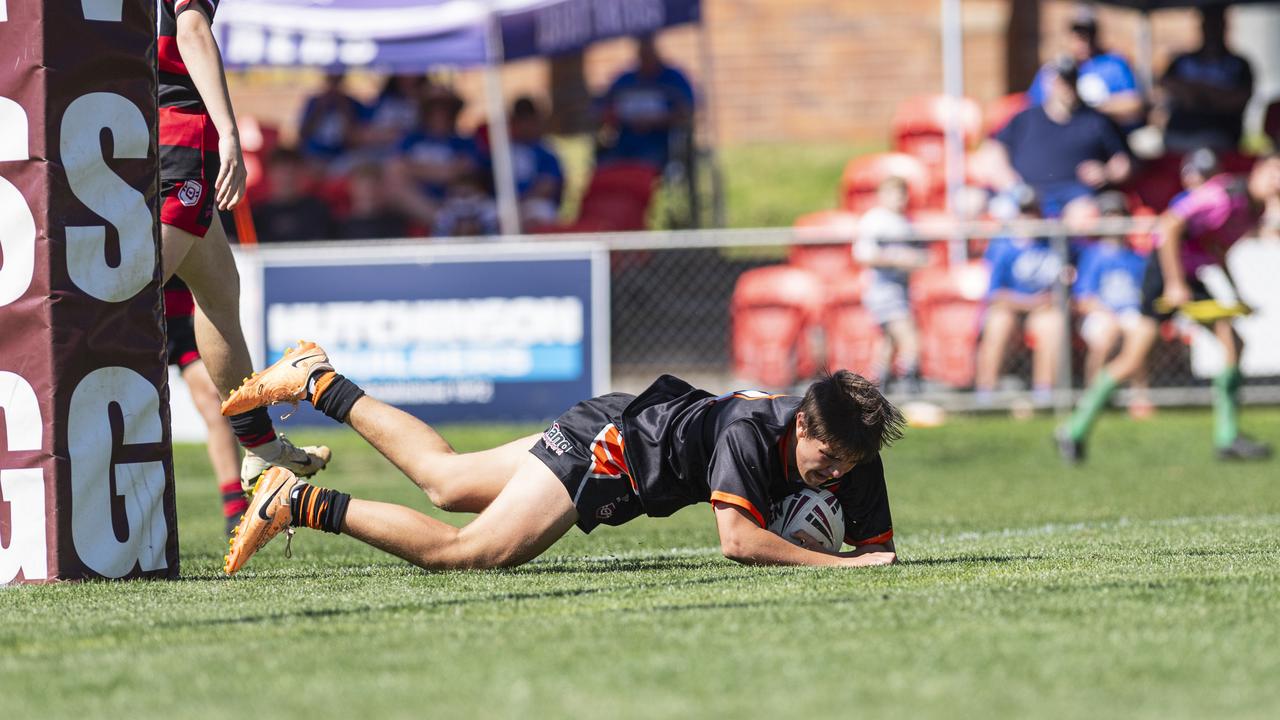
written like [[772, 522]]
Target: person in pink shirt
[[1195, 232]]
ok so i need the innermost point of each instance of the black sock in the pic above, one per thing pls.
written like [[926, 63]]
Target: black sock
[[253, 428], [338, 398], [318, 508]]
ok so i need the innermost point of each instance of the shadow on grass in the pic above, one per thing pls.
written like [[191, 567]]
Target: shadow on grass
[[972, 559], [440, 603]]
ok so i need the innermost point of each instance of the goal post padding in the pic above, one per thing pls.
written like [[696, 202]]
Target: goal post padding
[[86, 468]]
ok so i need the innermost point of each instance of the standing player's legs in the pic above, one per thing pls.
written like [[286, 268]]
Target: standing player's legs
[[1229, 443], [1132, 358], [194, 247], [224, 451], [208, 268]]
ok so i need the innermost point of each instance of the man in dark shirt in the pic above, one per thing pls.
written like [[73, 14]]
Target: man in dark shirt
[[606, 460], [1065, 150], [1207, 91]]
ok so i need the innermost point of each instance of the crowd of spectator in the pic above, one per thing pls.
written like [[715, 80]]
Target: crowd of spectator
[[1065, 155], [1072, 141], [400, 165]]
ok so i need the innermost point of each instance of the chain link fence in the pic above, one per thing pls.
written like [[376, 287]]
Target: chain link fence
[[672, 310]]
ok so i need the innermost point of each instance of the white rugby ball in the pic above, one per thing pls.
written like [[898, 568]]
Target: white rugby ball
[[814, 515]]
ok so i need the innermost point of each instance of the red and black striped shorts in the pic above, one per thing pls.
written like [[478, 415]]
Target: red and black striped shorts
[[188, 168]]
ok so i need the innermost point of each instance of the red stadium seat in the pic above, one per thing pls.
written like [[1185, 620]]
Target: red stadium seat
[[920, 125], [948, 304], [1158, 180], [854, 339], [616, 199], [863, 175], [831, 261], [1001, 111], [618, 196], [257, 141], [771, 311]]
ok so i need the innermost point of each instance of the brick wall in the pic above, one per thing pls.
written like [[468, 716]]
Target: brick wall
[[799, 70]]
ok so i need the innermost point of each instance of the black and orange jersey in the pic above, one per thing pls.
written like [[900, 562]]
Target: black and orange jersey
[[176, 88], [684, 446]]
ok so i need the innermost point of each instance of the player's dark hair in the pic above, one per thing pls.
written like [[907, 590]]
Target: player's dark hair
[[847, 412]]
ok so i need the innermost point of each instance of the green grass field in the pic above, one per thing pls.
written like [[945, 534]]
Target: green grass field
[[1146, 585]]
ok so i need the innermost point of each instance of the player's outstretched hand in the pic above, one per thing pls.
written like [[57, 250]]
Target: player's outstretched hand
[[229, 187], [871, 559]]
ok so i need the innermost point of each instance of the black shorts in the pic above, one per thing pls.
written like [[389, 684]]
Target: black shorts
[[583, 447], [182, 341], [1153, 288]]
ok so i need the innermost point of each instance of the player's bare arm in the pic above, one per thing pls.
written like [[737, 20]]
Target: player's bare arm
[[744, 541], [204, 63]]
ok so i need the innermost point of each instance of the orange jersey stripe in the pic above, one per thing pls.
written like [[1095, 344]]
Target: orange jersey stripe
[[880, 539], [740, 502]]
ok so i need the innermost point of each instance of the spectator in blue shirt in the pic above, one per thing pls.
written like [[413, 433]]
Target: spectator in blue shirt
[[393, 114], [1108, 294], [431, 157], [1023, 274], [1206, 91], [1106, 81], [330, 122], [645, 109], [1064, 150], [539, 179]]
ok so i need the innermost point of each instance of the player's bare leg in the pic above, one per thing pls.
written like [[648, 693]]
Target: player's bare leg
[[459, 482], [464, 482], [1104, 335], [210, 271], [224, 451], [906, 346], [996, 331], [531, 513], [1048, 326], [208, 268]]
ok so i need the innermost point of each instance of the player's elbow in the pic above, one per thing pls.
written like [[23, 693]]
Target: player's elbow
[[731, 549], [193, 32], [734, 546]]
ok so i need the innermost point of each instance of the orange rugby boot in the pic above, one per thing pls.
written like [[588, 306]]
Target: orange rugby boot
[[267, 516], [284, 381]]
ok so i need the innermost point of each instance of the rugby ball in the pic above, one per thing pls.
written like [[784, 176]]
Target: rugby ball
[[809, 517]]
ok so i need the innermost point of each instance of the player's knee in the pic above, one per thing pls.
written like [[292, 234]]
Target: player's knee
[[484, 553], [445, 498]]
